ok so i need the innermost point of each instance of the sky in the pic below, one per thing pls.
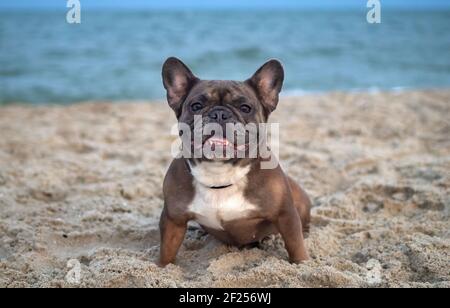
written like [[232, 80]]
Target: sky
[[219, 4]]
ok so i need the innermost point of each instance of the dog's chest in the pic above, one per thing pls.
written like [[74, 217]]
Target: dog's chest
[[213, 207]]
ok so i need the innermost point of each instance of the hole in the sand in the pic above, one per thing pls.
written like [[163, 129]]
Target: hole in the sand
[[399, 193], [48, 196], [373, 207], [85, 260], [360, 258], [193, 245]]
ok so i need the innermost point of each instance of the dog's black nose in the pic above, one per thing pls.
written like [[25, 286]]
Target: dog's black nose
[[220, 114]]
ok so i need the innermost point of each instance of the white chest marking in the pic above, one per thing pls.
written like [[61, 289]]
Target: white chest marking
[[211, 207]]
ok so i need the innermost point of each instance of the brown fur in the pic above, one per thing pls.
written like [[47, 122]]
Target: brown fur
[[282, 206]]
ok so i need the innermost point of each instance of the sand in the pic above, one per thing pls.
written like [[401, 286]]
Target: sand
[[80, 189]]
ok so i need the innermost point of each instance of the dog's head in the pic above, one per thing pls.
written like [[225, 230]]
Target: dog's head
[[222, 102]]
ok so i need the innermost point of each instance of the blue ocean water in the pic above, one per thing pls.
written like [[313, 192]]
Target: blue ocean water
[[117, 55]]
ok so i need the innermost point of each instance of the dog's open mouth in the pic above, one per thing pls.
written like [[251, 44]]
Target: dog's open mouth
[[220, 148], [222, 143]]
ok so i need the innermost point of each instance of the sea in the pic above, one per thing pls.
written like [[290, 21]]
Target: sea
[[117, 55]]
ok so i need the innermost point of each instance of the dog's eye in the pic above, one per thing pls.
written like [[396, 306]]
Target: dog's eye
[[246, 108], [196, 107]]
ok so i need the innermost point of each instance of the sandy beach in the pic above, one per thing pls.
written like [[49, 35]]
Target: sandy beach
[[82, 183]]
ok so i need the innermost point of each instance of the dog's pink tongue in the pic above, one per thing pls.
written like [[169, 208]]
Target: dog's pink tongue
[[218, 143]]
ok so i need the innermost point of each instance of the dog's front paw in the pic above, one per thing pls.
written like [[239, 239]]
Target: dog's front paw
[[162, 263], [300, 259]]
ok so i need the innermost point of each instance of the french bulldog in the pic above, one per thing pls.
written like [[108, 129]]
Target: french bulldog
[[233, 199]]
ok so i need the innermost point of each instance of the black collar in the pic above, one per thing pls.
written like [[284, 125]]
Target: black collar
[[220, 187]]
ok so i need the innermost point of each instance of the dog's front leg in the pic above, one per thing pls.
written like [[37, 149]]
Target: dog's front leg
[[172, 236], [289, 225]]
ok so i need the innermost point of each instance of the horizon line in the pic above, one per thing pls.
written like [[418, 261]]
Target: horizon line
[[220, 9]]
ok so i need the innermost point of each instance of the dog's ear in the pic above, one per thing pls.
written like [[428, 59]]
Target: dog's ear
[[178, 80], [267, 82]]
